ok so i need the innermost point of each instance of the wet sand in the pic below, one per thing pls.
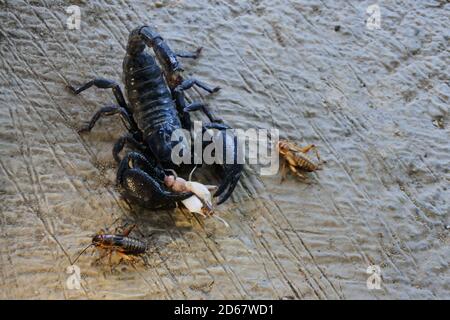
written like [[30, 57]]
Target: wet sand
[[375, 102]]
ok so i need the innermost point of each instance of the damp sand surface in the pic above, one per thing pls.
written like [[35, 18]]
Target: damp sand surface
[[375, 102]]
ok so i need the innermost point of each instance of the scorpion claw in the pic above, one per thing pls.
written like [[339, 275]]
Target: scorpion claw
[[142, 183], [227, 187], [231, 170], [146, 191], [193, 55]]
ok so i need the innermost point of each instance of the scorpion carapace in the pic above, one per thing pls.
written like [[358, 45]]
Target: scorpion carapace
[[156, 108]]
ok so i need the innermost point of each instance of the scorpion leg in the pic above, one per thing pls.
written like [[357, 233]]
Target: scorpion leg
[[189, 83], [191, 55], [195, 106], [109, 111], [181, 105], [103, 84], [184, 109], [143, 183]]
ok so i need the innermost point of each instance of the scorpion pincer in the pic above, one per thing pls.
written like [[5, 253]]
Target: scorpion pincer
[[156, 108]]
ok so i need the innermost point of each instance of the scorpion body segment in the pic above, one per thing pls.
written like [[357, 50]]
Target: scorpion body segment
[[149, 98]]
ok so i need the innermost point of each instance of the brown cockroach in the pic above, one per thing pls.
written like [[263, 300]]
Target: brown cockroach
[[296, 158], [126, 247]]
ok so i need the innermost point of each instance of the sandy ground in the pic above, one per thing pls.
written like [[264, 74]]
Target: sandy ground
[[376, 102]]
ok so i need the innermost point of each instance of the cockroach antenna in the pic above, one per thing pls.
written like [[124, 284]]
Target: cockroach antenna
[[82, 251], [215, 217], [222, 220]]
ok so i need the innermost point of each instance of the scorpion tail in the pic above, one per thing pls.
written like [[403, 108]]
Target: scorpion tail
[[146, 35]]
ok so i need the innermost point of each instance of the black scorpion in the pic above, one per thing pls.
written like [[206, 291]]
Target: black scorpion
[[156, 108]]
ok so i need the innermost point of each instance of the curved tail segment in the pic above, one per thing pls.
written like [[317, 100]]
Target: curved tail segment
[[144, 36]]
